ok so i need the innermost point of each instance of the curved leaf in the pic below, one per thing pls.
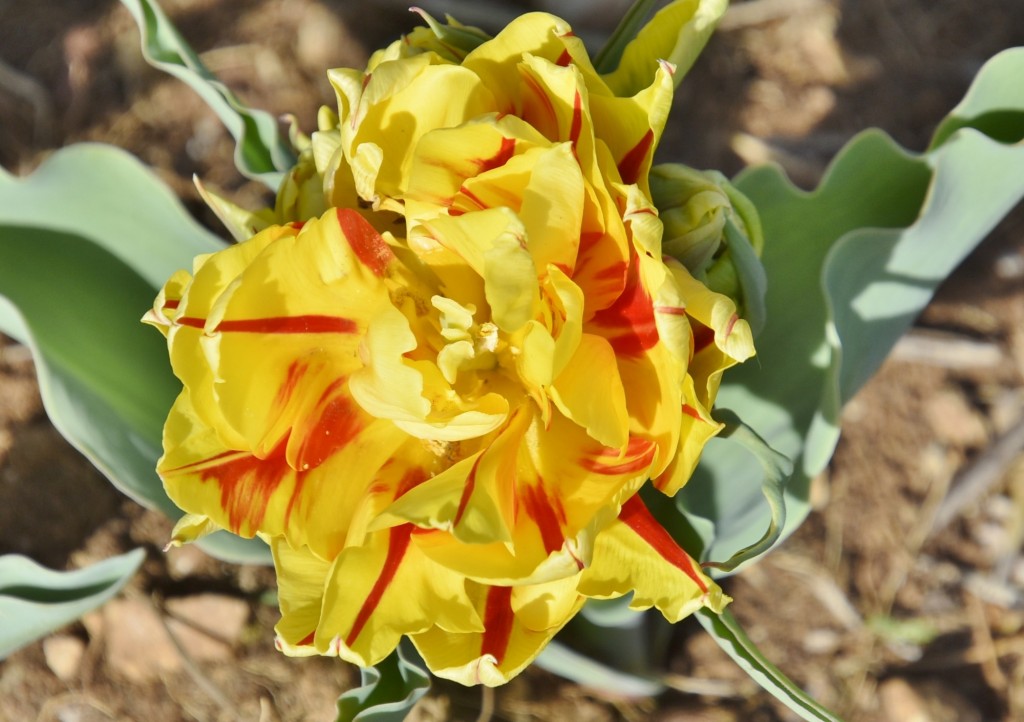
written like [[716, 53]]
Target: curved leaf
[[260, 151], [387, 692], [849, 267], [85, 242], [730, 637], [596, 671], [677, 33], [994, 104], [776, 469], [35, 600]]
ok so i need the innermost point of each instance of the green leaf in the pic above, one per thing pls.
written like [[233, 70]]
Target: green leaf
[[387, 692], [609, 57], [597, 671], [35, 600], [730, 637], [994, 104], [260, 151], [776, 469], [849, 267], [677, 33], [85, 242]]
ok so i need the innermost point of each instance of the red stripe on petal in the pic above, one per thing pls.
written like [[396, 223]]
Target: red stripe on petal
[[365, 242], [629, 322], [629, 166], [472, 197], [498, 620], [638, 518], [539, 507], [172, 303], [564, 59], [398, 544], [311, 323], [412, 479], [670, 310], [690, 411], [339, 424], [546, 104], [503, 156], [191, 322], [296, 370], [577, 118], [702, 335], [638, 457], [307, 640], [467, 491], [246, 483]]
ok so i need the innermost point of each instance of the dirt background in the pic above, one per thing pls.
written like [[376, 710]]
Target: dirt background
[[899, 600]]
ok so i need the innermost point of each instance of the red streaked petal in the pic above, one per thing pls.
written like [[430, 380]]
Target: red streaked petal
[[629, 166], [397, 546], [366, 243], [310, 323], [498, 620], [637, 517], [629, 323]]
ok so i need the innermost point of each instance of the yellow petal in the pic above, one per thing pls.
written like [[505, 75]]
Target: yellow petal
[[637, 555], [399, 105], [721, 339], [247, 494], [386, 589], [301, 579], [676, 33], [697, 427], [507, 643], [510, 282], [602, 413]]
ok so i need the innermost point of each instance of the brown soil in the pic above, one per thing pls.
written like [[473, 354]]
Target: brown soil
[[876, 609]]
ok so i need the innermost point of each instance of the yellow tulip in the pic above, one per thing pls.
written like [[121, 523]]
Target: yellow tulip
[[438, 399]]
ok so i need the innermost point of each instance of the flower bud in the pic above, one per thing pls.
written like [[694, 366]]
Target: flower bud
[[705, 217]]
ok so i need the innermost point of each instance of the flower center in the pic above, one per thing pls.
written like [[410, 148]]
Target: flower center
[[470, 346]]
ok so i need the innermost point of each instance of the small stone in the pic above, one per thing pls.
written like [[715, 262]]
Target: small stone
[[821, 641], [224, 617], [901, 703], [319, 36], [63, 653], [185, 560], [138, 647], [1010, 266], [954, 421]]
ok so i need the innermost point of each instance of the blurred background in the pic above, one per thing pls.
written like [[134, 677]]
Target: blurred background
[[901, 597]]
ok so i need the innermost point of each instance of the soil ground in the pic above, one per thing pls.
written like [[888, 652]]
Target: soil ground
[[894, 602]]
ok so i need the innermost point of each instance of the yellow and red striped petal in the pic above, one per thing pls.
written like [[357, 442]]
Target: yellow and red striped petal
[[603, 414], [697, 428], [637, 555], [384, 590], [721, 338], [508, 642]]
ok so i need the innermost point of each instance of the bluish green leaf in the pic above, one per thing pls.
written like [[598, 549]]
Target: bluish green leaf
[[677, 33], [994, 104], [775, 471], [260, 151], [35, 600], [849, 267], [609, 57], [387, 692], [595, 671], [85, 242], [730, 637]]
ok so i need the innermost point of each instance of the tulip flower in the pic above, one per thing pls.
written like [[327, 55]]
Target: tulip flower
[[438, 399]]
